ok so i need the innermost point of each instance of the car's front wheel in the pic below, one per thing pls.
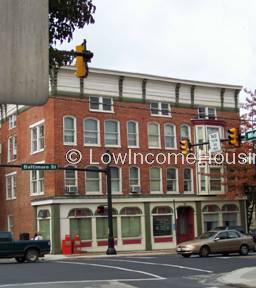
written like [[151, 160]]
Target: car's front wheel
[[244, 250], [20, 259], [186, 255], [204, 251], [32, 255]]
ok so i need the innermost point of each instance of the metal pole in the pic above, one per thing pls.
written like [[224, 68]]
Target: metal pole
[[111, 244]]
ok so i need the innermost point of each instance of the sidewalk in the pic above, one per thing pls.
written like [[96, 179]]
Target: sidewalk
[[55, 257], [245, 277]]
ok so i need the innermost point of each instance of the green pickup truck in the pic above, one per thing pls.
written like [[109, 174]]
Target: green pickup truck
[[22, 250]]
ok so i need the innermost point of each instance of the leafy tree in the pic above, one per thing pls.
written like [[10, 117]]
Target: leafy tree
[[64, 17]]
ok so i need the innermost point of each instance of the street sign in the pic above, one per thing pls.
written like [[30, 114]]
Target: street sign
[[40, 166], [214, 142], [250, 135]]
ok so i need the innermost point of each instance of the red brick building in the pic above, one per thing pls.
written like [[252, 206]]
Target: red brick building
[[156, 203]]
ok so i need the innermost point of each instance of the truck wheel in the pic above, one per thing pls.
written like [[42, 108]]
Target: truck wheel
[[32, 255], [20, 259]]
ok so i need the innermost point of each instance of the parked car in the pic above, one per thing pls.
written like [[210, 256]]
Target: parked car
[[217, 241], [22, 250], [235, 227]]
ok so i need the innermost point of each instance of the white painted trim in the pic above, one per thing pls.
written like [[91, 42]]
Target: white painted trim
[[159, 135], [98, 132], [118, 133], [75, 130], [36, 123], [137, 134]]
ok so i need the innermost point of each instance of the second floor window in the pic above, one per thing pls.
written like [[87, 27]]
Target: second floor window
[[69, 130], [92, 181], [185, 132], [37, 138], [112, 137], [155, 179], [206, 113], [215, 179], [101, 104], [169, 136], [11, 186], [154, 135], [134, 176], [91, 132], [70, 178], [12, 121], [187, 180], [37, 182], [171, 180], [116, 180], [132, 134], [160, 109], [12, 149]]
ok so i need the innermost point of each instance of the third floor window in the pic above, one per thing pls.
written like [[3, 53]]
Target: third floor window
[[69, 130], [132, 134], [91, 132], [101, 104], [112, 133], [12, 149], [154, 135], [206, 113], [160, 109], [37, 137]]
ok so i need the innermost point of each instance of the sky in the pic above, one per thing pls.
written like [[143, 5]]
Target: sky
[[204, 40]]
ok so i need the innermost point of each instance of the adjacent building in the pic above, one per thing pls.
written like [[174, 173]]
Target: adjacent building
[[158, 199]]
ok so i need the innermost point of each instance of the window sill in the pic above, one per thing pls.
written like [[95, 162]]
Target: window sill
[[155, 148], [37, 194], [112, 146], [101, 111], [70, 144], [35, 152], [165, 116]]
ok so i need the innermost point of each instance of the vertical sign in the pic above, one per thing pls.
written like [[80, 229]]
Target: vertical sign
[[214, 142], [24, 41]]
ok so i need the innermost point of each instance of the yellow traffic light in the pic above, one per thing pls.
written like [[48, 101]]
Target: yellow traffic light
[[81, 64], [184, 146], [234, 136]]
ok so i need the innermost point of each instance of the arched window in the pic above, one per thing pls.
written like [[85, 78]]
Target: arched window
[[69, 130], [162, 221], [134, 176], [112, 133], [185, 132], [229, 215], [70, 180], [116, 179], [170, 136], [172, 180], [131, 222], [155, 178], [44, 223], [102, 224], [93, 180], [91, 132], [211, 217], [188, 182], [132, 134], [80, 220], [154, 135], [44, 213]]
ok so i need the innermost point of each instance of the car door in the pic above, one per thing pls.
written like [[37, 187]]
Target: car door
[[220, 243], [234, 241], [6, 244]]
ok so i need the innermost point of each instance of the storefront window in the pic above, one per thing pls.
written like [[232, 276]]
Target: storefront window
[[44, 223], [131, 222], [229, 215], [162, 221], [211, 217], [102, 224]]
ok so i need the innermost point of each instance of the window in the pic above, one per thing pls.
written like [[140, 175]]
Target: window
[[102, 224], [170, 136], [70, 180], [132, 134], [188, 180], [215, 179], [37, 137], [10, 186], [12, 121], [171, 180], [101, 104], [154, 135], [202, 133], [69, 130], [112, 134], [131, 222], [202, 179], [229, 215], [12, 148], [211, 217], [185, 132], [160, 109], [162, 221], [92, 181], [37, 182], [134, 176], [91, 132], [116, 179], [10, 223], [206, 113], [155, 179]]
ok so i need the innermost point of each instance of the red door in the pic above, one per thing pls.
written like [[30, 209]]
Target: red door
[[185, 224]]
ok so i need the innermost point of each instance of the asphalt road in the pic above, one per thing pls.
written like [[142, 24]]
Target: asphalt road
[[122, 272]]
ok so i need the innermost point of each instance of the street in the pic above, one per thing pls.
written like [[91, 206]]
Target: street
[[129, 271]]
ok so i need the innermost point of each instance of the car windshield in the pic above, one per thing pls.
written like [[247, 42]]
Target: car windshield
[[207, 235]]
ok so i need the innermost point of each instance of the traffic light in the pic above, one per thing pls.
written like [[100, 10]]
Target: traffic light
[[83, 56], [185, 146], [100, 210], [234, 137]]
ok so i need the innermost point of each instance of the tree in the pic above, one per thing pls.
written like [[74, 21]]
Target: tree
[[64, 17]]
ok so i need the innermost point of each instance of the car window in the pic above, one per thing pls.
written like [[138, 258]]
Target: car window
[[222, 235], [233, 234]]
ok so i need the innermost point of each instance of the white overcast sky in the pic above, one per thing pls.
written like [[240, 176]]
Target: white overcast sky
[[205, 40]]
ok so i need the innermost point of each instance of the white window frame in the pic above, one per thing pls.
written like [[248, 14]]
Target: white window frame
[[206, 113], [189, 131], [120, 180], [192, 181], [65, 180], [174, 135], [138, 169], [101, 104], [177, 181], [161, 181], [75, 131], [118, 133], [13, 187], [98, 132], [37, 181], [10, 223], [12, 119], [36, 125], [159, 135], [159, 108], [137, 134], [100, 182], [12, 140]]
